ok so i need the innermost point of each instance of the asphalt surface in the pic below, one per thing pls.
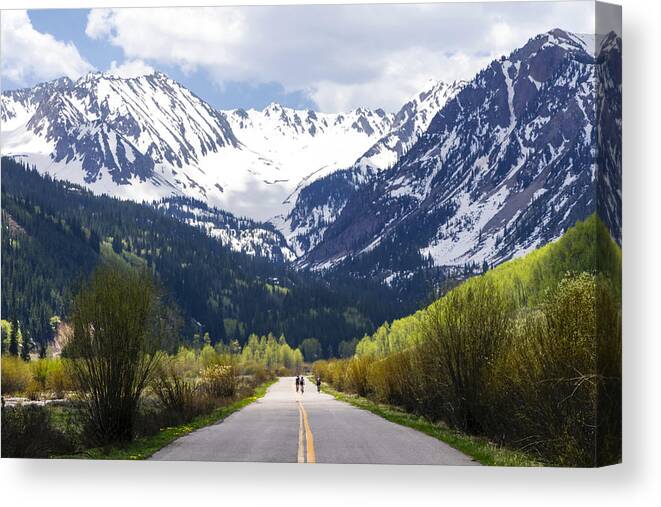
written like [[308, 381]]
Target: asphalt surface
[[287, 427]]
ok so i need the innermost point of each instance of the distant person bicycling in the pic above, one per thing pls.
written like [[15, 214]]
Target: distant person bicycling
[[318, 384], [302, 384], [298, 382]]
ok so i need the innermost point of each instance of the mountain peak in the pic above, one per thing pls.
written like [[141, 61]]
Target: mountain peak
[[273, 107]]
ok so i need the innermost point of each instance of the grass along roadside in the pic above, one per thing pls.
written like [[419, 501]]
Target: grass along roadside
[[480, 449], [144, 447]]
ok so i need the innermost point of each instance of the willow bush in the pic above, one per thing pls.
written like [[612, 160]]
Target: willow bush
[[463, 333], [119, 328], [544, 379], [393, 380], [545, 387], [16, 375], [176, 392], [357, 375], [220, 380]]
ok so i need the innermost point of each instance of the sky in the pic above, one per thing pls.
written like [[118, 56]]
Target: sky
[[325, 57]]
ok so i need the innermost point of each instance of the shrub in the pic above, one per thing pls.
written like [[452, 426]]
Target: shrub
[[33, 390], [119, 327], [59, 380], [527, 354], [176, 393], [462, 334], [219, 380], [549, 383], [356, 376], [16, 375], [609, 371], [39, 370], [28, 432], [321, 369], [394, 380], [337, 374]]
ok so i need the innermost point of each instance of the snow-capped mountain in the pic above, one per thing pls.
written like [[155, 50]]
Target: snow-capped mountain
[[301, 146], [464, 173], [319, 203], [134, 138], [506, 166], [239, 234], [297, 140], [412, 120], [148, 137]]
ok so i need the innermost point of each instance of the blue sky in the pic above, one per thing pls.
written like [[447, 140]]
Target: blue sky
[[329, 58]]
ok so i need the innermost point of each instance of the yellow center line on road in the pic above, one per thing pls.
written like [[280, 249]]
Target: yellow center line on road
[[309, 438], [301, 451]]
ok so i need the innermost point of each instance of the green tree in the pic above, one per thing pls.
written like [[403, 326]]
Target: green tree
[[13, 338], [120, 325], [43, 349], [117, 245], [5, 333], [25, 347], [95, 241], [311, 349], [347, 348]]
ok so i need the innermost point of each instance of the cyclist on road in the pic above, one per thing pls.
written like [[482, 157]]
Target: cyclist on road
[[318, 384], [298, 382], [302, 384]]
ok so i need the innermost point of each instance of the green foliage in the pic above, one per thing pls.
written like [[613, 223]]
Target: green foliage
[[311, 349], [28, 431], [220, 380], [16, 375], [119, 328], [5, 333], [39, 378], [462, 334], [175, 390], [25, 347], [347, 348], [49, 375], [553, 372], [14, 338], [270, 354]]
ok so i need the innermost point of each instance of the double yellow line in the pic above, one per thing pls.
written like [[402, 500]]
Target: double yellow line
[[305, 435]]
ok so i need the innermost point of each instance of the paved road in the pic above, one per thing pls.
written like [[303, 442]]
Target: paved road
[[285, 426]]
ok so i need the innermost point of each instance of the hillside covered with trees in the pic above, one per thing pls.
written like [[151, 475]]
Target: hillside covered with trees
[[55, 233]]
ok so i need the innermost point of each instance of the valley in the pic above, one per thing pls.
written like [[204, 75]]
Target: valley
[[454, 264]]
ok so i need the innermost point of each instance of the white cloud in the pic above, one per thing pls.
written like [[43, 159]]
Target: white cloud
[[29, 55], [186, 37], [343, 56], [403, 74], [130, 69]]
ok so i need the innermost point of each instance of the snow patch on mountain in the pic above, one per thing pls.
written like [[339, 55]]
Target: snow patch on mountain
[[319, 203], [239, 234], [506, 166]]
